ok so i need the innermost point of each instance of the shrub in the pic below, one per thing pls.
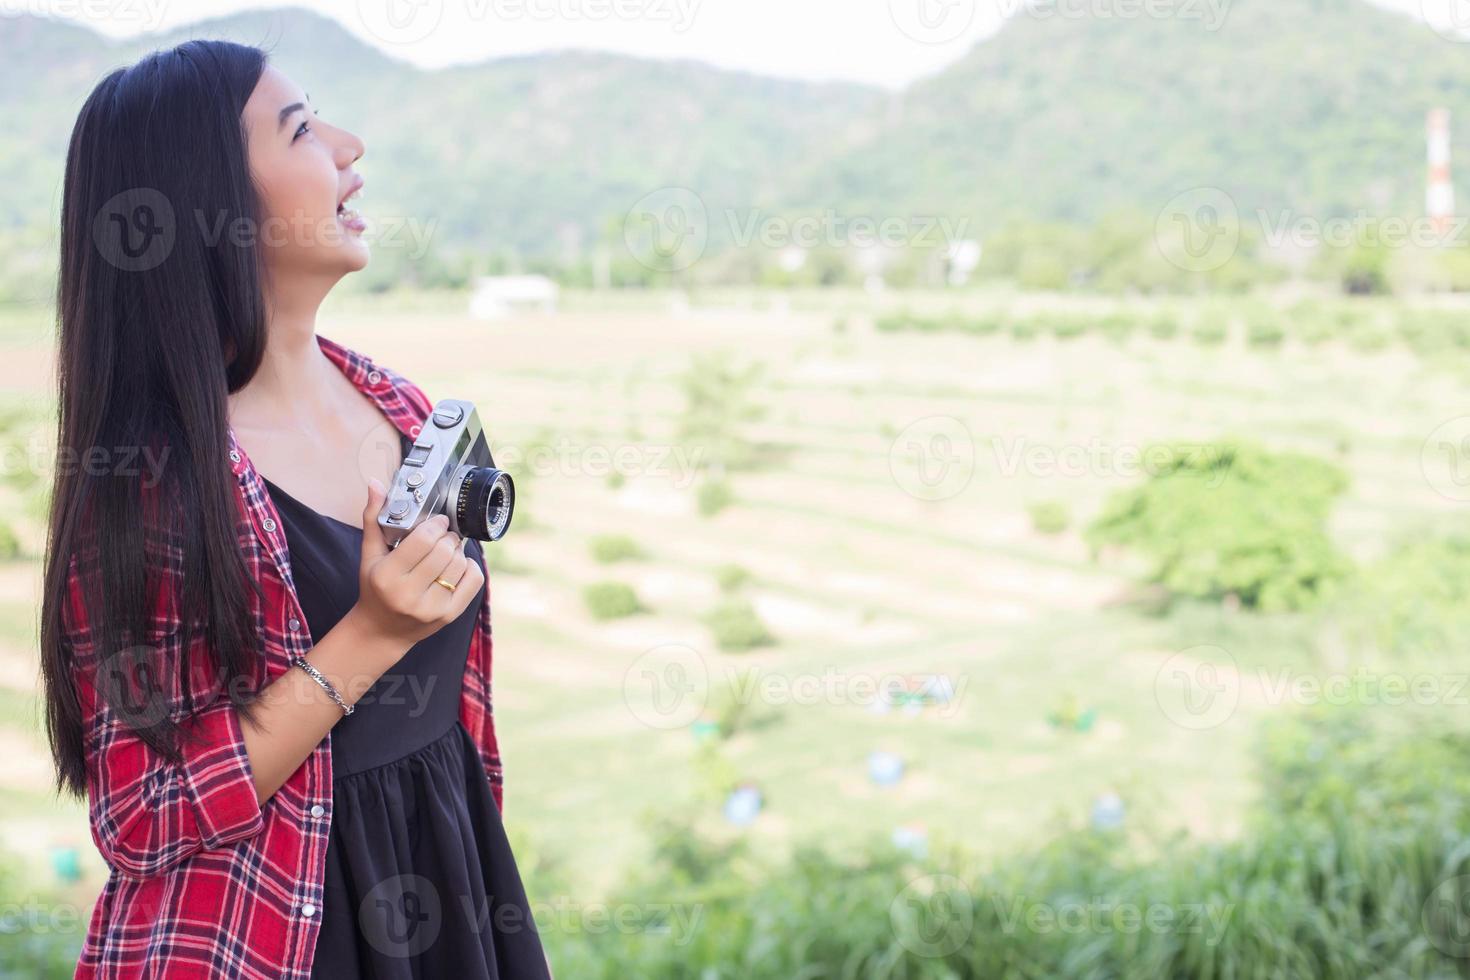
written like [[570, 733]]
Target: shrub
[[731, 577], [1416, 600], [608, 548], [1212, 328], [1341, 875], [714, 496], [611, 600], [1117, 327], [1163, 327], [1067, 326], [1049, 516], [737, 627], [1231, 518], [1265, 331]]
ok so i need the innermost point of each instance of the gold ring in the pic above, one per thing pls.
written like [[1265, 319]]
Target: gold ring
[[448, 585]]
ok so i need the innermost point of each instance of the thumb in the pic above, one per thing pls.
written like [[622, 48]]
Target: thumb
[[374, 544]]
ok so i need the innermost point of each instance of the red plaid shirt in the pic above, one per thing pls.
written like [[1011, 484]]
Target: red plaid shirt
[[205, 882]]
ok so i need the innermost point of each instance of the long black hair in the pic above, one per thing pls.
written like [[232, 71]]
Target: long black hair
[[160, 316]]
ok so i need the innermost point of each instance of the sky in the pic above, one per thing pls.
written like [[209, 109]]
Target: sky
[[888, 43]]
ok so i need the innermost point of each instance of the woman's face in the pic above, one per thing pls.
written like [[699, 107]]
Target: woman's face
[[302, 166]]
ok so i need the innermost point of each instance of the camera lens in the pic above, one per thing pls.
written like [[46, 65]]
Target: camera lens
[[483, 508]]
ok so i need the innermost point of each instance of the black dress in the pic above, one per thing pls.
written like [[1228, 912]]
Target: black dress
[[420, 878]]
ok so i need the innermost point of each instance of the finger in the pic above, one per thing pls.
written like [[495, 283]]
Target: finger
[[433, 564], [466, 588], [419, 542], [374, 542], [453, 573]]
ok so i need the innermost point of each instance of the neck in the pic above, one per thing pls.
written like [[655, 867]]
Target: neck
[[293, 381]]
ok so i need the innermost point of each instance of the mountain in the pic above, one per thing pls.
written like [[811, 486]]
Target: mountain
[[505, 153], [1304, 107], [1307, 108]]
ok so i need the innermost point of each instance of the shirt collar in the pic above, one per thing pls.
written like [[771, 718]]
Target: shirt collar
[[370, 379]]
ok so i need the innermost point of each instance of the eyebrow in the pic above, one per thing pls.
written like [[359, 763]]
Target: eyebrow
[[286, 112]]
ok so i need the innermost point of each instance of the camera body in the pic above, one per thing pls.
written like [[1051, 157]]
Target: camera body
[[449, 470]]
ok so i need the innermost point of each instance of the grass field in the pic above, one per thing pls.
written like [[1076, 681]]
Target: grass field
[[853, 571]]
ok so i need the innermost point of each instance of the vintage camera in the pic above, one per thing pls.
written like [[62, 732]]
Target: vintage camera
[[449, 471]]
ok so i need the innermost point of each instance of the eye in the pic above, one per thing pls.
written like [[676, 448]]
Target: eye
[[303, 128]]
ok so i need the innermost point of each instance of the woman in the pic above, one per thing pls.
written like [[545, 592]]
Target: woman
[[283, 726]]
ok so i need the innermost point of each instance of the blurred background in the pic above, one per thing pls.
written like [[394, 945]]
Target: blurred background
[[994, 475]]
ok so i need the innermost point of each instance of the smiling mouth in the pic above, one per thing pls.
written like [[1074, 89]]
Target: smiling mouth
[[346, 214]]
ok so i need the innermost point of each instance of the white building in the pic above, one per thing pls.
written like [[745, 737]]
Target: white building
[[498, 296]]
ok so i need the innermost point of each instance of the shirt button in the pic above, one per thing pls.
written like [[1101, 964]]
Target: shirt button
[[308, 910], [318, 810], [268, 524], [293, 624], [234, 455], [374, 377], [414, 430]]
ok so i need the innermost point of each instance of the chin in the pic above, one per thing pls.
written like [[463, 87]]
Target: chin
[[355, 256]]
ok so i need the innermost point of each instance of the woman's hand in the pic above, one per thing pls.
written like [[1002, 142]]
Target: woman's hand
[[398, 596]]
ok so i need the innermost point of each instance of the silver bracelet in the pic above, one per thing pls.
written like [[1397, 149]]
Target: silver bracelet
[[326, 684]]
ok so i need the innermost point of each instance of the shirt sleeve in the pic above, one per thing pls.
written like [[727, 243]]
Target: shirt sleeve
[[147, 813]]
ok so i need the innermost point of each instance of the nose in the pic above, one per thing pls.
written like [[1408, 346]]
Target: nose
[[349, 149]]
